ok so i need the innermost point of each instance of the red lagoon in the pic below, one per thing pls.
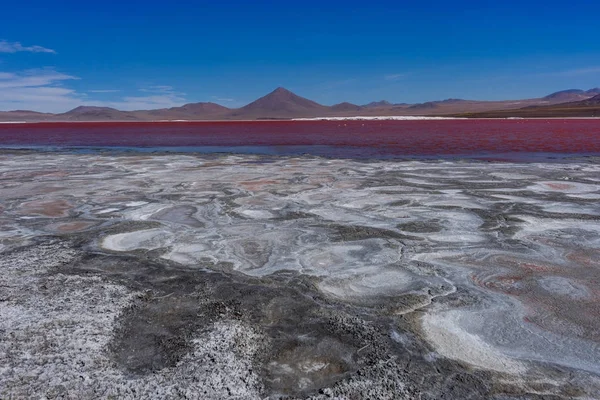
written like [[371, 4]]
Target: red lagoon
[[426, 138]]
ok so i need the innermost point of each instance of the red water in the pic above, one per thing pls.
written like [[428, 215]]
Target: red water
[[384, 138]]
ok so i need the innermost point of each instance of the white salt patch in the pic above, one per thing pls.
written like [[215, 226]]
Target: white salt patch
[[515, 199], [567, 208], [443, 330], [458, 202], [423, 182], [345, 260], [257, 214], [533, 225], [136, 203], [564, 187], [459, 227], [147, 239], [144, 212], [452, 237], [107, 210], [512, 175], [188, 253], [587, 196], [375, 283]]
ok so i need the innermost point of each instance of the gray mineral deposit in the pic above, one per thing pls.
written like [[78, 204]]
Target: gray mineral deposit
[[155, 276]]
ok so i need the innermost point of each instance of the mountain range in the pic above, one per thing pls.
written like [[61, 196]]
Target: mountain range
[[589, 107], [283, 104]]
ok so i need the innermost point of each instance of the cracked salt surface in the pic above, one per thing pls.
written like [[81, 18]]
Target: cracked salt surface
[[467, 251], [148, 239], [60, 327]]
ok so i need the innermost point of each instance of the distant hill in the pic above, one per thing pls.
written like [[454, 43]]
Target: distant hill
[[345, 107], [451, 101], [570, 95], [382, 103], [201, 108], [565, 93], [280, 103], [436, 104], [424, 106], [191, 111], [90, 113], [589, 107], [594, 101], [24, 115]]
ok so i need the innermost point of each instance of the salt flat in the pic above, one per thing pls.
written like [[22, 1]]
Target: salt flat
[[184, 276]]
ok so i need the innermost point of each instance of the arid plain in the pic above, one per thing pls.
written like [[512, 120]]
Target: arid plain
[[224, 276]]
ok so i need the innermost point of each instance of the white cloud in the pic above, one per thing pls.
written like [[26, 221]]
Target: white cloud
[[15, 47], [226, 100], [42, 90], [394, 77], [104, 91], [37, 89], [157, 89], [130, 103], [159, 96], [32, 78]]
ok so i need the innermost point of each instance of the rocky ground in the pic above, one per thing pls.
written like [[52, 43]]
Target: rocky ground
[[181, 276]]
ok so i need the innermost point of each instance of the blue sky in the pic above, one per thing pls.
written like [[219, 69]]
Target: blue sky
[[152, 54]]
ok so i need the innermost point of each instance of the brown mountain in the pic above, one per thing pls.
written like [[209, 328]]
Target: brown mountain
[[191, 111], [451, 101], [381, 103], [594, 101], [345, 107], [24, 115], [280, 103], [424, 106], [589, 107], [90, 113], [435, 105], [384, 104], [569, 95], [202, 108]]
